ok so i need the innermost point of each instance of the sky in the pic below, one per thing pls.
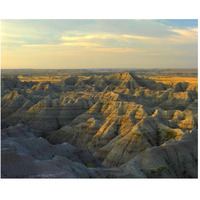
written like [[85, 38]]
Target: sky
[[99, 44]]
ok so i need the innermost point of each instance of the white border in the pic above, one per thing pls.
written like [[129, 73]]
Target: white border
[[96, 9], [95, 188]]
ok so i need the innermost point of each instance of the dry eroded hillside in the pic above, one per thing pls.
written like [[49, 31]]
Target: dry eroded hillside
[[108, 125]]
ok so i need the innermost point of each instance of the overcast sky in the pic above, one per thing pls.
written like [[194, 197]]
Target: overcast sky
[[99, 43]]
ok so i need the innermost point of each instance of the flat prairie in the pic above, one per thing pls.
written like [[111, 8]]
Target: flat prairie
[[173, 79], [43, 79]]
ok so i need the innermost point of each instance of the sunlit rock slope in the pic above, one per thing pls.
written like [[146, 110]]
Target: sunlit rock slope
[[126, 122]]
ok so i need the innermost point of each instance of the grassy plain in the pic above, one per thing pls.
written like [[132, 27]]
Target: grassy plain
[[173, 79], [42, 79]]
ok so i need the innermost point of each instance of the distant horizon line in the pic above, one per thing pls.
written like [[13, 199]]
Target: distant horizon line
[[116, 68]]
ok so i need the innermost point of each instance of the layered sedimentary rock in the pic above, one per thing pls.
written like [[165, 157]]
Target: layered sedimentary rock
[[175, 158], [118, 118], [25, 155]]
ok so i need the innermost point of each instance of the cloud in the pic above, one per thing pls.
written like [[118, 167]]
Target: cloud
[[118, 50], [94, 33], [6, 41], [3, 34], [70, 44], [103, 36], [185, 35], [182, 36], [138, 37], [149, 28], [81, 44], [82, 37], [122, 40], [179, 23]]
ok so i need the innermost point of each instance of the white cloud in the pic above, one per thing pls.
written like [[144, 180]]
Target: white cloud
[[119, 50], [185, 35]]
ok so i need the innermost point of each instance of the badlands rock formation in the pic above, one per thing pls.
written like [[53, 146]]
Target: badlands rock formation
[[175, 158], [25, 155], [129, 125]]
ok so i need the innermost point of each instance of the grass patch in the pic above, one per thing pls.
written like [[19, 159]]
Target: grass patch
[[170, 134], [160, 168], [90, 165]]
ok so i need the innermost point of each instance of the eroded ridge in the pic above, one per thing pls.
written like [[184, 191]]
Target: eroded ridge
[[108, 125]]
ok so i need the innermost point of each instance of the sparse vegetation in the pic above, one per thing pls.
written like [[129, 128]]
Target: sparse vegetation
[[90, 165], [174, 79], [170, 134], [160, 168]]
